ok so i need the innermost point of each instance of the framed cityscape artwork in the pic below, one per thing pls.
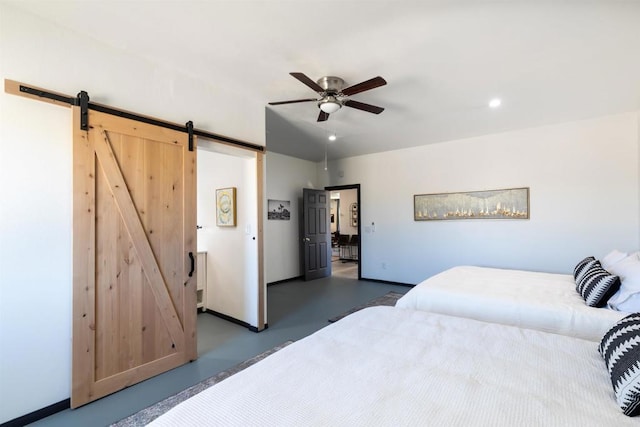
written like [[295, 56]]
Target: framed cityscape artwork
[[511, 203]]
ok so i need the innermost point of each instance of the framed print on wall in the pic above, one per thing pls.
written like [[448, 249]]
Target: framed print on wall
[[354, 214], [510, 203], [226, 207], [279, 210]]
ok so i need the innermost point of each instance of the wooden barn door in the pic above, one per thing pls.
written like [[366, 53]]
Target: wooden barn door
[[134, 236]]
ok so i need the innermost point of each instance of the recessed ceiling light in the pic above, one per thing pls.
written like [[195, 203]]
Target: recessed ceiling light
[[332, 137], [495, 103]]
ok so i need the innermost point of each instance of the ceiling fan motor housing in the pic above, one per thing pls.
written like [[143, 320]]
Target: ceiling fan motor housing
[[331, 84]]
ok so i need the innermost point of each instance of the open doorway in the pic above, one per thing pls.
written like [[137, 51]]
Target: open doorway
[[346, 247], [230, 282]]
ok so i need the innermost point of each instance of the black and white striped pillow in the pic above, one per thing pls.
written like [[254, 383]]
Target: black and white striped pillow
[[597, 285], [582, 267], [620, 348]]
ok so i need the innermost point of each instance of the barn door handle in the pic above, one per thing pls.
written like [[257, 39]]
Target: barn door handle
[[193, 263]]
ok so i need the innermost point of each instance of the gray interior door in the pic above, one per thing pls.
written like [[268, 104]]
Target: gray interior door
[[316, 238]]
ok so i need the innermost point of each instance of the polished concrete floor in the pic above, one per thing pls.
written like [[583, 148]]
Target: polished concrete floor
[[295, 309]]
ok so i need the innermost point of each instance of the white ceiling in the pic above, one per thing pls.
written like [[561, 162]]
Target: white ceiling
[[549, 62]]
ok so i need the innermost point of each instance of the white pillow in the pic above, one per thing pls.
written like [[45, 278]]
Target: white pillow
[[612, 258], [622, 267], [630, 305], [627, 298]]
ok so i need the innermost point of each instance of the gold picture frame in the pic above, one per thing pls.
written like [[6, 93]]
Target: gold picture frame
[[226, 207], [510, 203]]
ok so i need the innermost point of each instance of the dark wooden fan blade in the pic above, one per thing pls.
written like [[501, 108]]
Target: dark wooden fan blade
[[292, 102], [362, 106], [361, 87], [323, 116], [306, 80]]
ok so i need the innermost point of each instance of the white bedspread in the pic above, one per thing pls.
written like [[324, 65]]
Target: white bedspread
[[385, 366], [543, 301]]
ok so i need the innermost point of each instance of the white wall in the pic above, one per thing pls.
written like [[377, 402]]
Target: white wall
[[231, 251], [35, 255], [285, 178], [584, 186], [35, 165]]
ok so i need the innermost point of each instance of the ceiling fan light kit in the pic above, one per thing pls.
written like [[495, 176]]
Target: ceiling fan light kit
[[330, 104], [333, 96]]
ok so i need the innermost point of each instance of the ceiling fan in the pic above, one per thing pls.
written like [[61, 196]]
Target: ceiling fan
[[333, 96]]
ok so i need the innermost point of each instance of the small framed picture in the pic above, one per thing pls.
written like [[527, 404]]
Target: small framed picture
[[279, 210], [226, 207]]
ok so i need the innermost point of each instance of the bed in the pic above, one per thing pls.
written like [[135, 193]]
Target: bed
[[389, 366], [543, 301]]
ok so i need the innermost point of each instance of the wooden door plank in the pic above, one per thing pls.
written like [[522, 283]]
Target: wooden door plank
[[151, 215], [140, 129], [191, 245], [131, 279], [135, 375], [172, 223], [134, 226], [106, 287], [83, 264]]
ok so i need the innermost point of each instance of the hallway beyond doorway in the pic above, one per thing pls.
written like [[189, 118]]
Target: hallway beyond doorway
[[345, 213], [344, 269]]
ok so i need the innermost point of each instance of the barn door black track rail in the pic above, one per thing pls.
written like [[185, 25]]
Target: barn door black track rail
[[82, 100]]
